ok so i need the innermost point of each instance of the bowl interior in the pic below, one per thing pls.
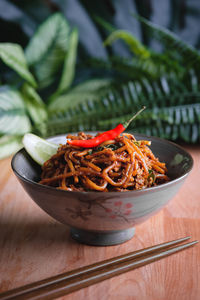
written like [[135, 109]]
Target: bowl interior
[[179, 162]]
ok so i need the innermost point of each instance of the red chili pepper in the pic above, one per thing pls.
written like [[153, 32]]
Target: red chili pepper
[[105, 136]]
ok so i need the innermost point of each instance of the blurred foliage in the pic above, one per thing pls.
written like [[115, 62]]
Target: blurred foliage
[[19, 20], [70, 65]]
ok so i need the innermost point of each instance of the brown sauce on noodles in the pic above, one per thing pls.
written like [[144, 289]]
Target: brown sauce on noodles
[[122, 164]]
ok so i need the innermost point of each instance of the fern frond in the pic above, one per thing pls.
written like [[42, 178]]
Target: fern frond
[[189, 133], [154, 67], [169, 103], [134, 44], [173, 115], [80, 94], [130, 96], [181, 50]]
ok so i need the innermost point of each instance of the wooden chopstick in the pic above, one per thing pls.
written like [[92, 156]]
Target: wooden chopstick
[[66, 283], [84, 270]]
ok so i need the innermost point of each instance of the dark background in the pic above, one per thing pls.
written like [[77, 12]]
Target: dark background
[[167, 83], [20, 18]]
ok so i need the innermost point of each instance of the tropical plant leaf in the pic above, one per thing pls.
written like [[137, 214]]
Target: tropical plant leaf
[[34, 104], [173, 115], [80, 94], [171, 41], [13, 116], [69, 66], [154, 67], [47, 49], [135, 46], [36, 51], [106, 25], [123, 68], [9, 144], [13, 56], [163, 125], [189, 133], [122, 98], [118, 104]]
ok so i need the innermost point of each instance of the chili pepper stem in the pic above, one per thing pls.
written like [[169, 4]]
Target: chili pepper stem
[[105, 136], [126, 124]]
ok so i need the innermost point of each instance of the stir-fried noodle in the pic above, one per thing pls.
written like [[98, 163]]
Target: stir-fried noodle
[[122, 164]]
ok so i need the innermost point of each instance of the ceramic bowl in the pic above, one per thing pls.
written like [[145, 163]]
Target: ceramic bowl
[[105, 218]]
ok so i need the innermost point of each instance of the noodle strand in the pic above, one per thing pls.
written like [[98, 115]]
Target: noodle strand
[[121, 164]]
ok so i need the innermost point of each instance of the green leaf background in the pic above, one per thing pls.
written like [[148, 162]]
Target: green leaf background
[[47, 49], [13, 56], [89, 66], [13, 117]]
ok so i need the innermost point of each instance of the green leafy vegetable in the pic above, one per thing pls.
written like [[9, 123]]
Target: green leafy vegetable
[[151, 175], [90, 152], [137, 143], [112, 147]]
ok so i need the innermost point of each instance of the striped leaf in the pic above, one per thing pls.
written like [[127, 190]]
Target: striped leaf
[[13, 116], [68, 71], [34, 104], [13, 56], [169, 105], [171, 42], [46, 50], [9, 144]]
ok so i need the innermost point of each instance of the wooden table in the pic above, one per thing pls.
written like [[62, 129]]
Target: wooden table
[[34, 246]]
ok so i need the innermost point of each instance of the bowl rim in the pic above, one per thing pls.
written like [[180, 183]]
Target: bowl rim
[[140, 191]]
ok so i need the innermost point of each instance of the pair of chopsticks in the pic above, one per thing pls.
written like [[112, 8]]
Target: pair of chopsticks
[[69, 282]]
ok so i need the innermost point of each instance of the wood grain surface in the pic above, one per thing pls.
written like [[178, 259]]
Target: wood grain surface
[[34, 246]]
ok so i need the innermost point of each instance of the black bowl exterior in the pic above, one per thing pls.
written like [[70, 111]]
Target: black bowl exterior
[[101, 211]]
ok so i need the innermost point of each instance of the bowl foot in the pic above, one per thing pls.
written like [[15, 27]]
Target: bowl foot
[[102, 238]]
